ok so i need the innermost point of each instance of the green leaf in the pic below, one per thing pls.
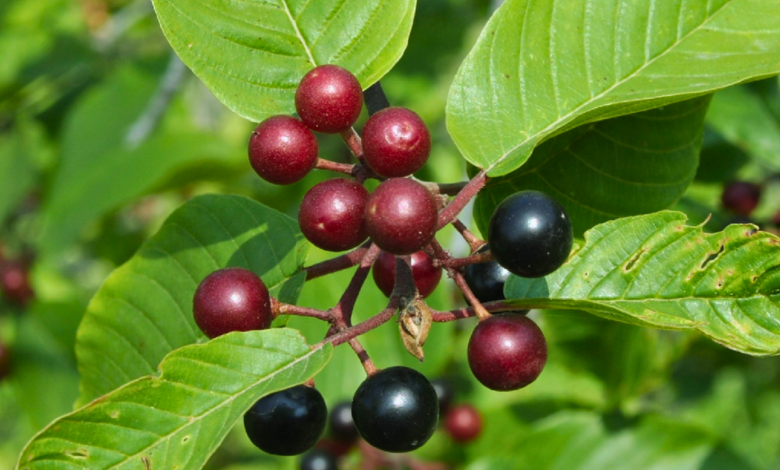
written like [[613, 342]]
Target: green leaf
[[655, 271], [541, 67], [253, 54], [178, 419], [648, 158], [19, 151], [143, 311]]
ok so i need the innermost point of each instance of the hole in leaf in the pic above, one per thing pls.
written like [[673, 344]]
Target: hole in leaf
[[720, 284], [632, 261], [751, 232], [185, 439], [78, 453], [711, 258]]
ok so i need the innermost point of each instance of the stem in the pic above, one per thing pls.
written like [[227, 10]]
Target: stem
[[288, 309], [449, 189], [461, 313], [449, 213], [460, 262], [375, 99], [475, 243], [343, 309], [365, 326], [460, 281], [344, 168], [352, 139], [368, 364], [338, 263]]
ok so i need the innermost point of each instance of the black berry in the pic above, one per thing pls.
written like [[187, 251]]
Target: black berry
[[396, 142], [342, 426], [530, 234], [231, 299], [318, 459], [329, 99], [426, 274], [15, 282], [396, 409], [282, 150], [486, 280], [332, 214], [463, 423], [741, 197], [288, 422]]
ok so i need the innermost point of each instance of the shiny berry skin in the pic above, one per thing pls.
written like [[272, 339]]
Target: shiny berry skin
[[396, 142], [396, 409], [342, 425], [530, 234], [231, 299], [15, 282], [332, 214], [401, 216], [329, 99], [486, 280], [318, 459], [282, 150], [741, 197], [463, 423], [426, 275], [288, 422], [507, 352]]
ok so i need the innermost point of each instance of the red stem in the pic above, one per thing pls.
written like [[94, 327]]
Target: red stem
[[343, 309], [461, 313], [475, 243], [449, 213], [441, 254], [460, 262], [345, 168], [288, 309], [338, 263], [365, 326]]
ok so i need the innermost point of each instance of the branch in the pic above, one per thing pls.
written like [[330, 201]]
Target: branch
[[338, 263], [461, 313], [460, 262], [450, 213]]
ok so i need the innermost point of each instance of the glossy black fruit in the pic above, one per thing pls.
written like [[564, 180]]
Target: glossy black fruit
[[288, 422], [329, 99], [396, 409], [530, 234], [486, 280], [318, 459], [342, 426]]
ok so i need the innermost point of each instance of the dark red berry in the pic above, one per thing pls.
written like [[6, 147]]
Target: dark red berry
[[507, 352], [329, 99], [426, 274], [318, 459], [282, 150], [231, 299], [401, 216], [5, 361], [463, 423], [396, 142], [342, 426], [15, 282], [741, 197], [332, 214]]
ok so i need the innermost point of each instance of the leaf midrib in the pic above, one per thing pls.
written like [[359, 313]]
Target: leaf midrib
[[298, 33]]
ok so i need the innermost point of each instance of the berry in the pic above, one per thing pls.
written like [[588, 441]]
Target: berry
[[288, 422], [329, 99], [396, 409], [15, 282], [231, 299], [282, 150], [342, 425], [401, 216], [741, 197], [530, 234], [426, 275], [463, 423], [507, 352], [396, 142], [444, 392], [332, 214], [318, 459], [486, 280]]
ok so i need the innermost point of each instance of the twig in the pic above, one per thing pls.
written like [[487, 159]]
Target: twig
[[365, 326], [338, 263], [343, 309], [460, 262], [475, 243], [460, 281], [449, 213], [368, 364], [288, 309], [344, 168], [461, 313]]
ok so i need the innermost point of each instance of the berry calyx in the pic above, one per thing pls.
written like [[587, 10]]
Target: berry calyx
[[282, 150], [741, 197], [530, 234], [329, 99], [426, 274], [342, 426], [332, 214], [231, 299], [401, 216], [396, 142], [486, 280], [318, 459], [507, 352], [396, 409], [288, 422], [15, 282], [463, 423]]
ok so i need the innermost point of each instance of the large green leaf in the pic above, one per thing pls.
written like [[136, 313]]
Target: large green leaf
[[178, 419], [253, 53], [541, 67], [655, 271], [143, 311], [648, 159], [19, 151]]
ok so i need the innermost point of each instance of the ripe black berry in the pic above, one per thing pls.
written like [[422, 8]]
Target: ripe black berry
[[530, 234], [401, 216], [231, 299], [486, 280], [329, 99], [741, 197], [463, 423], [396, 409], [282, 150], [287, 422], [318, 459], [507, 352], [396, 142], [426, 274], [332, 214], [342, 425], [15, 282]]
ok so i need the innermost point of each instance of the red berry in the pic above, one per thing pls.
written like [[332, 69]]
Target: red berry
[[507, 352], [396, 142], [232, 299], [741, 197], [332, 214], [426, 275], [329, 99], [463, 423], [15, 282], [401, 216], [282, 150]]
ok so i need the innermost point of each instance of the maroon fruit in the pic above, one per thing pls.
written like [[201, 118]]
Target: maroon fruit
[[396, 142], [329, 99], [332, 214], [741, 197], [401, 216], [15, 282], [507, 352], [282, 150], [463, 423], [231, 299], [426, 275]]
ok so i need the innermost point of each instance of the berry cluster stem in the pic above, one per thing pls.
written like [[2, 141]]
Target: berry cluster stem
[[456, 205], [475, 243], [338, 263], [460, 262], [441, 254]]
